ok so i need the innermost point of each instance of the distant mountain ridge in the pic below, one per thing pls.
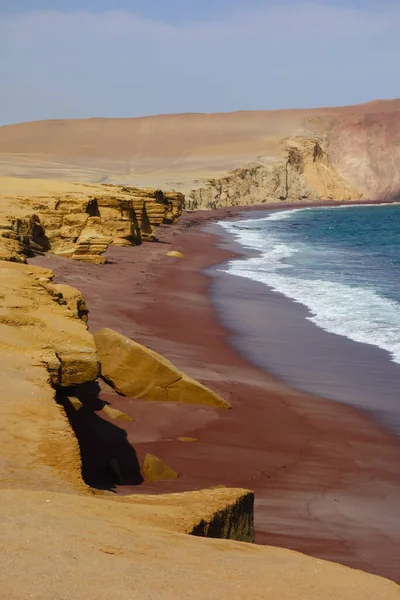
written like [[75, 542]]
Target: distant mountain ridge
[[222, 158]]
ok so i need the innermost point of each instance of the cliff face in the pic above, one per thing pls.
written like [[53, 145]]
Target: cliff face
[[235, 521], [305, 171], [365, 149], [44, 345], [79, 221]]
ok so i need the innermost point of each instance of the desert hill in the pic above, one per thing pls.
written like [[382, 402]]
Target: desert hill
[[229, 158]]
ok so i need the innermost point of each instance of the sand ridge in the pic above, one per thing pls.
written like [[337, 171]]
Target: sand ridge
[[182, 152]]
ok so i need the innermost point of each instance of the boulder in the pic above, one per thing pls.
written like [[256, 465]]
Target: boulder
[[138, 372], [175, 253], [155, 470]]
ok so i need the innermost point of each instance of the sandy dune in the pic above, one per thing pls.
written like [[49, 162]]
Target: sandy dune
[[178, 151]]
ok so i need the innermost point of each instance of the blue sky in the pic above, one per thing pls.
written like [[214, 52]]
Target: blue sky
[[121, 58]]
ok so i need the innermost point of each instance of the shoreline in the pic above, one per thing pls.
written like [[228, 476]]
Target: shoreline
[[312, 462], [347, 371]]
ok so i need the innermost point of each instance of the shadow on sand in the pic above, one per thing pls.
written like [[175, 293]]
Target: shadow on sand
[[108, 459]]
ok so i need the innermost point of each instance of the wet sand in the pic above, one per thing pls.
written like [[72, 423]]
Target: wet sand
[[302, 354], [326, 476]]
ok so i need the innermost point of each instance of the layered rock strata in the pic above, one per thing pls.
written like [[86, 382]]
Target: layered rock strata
[[78, 221], [303, 172], [44, 345]]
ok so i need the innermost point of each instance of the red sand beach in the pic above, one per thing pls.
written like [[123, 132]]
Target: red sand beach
[[326, 476]]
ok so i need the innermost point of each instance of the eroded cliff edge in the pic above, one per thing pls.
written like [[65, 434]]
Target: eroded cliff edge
[[304, 171], [79, 221]]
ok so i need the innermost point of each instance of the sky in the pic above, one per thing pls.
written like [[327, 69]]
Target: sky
[[127, 58]]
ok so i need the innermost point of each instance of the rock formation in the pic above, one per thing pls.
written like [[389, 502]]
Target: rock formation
[[175, 254], [155, 470], [79, 221], [304, 172], [138, 372], [44, 345]]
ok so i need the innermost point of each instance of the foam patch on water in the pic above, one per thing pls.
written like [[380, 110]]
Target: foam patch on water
[[359, 313]]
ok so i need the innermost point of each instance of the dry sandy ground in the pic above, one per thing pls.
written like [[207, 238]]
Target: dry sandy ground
[[66, 546]]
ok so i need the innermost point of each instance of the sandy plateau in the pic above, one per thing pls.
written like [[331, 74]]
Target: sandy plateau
[[62, 536], [221, 159]]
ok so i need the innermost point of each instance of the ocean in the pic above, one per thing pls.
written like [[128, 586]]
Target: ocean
[[342, 266]]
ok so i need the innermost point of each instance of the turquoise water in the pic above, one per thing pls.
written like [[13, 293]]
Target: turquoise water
[[342, 263]]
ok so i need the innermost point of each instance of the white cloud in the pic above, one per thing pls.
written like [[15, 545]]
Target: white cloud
[[116, 64]]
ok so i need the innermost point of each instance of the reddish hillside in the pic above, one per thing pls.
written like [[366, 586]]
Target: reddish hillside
[[362, 144]]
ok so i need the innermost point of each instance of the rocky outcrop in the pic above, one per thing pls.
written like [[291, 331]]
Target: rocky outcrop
[[304, 172], [217, 512], [78, 221], [235, 521], [154, 469], [138, 372], [44, 346], [364, 147]]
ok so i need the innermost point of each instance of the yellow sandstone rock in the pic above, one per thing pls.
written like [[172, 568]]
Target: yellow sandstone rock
[[74, 299], [76, 220], [302, 170], [115, 414], [155, 470], [136, 371], [43, 346], [175, 253]]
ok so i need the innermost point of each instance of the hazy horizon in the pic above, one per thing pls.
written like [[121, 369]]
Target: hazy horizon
[[146, 59], [149, 116]]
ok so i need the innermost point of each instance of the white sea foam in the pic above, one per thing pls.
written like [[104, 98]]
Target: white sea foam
[[358, 313], [279, 215]]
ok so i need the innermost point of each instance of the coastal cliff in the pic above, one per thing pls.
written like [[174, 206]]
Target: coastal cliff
[[44, 345], [46, 350], [304, 172], [79, 221]]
